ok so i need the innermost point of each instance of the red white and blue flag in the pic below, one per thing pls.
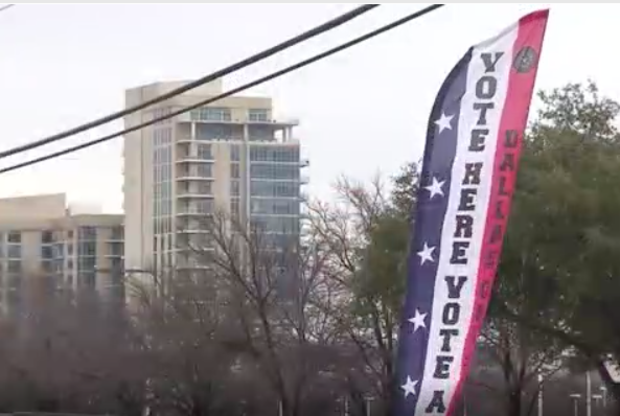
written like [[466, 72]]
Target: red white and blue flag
[[468, 176]]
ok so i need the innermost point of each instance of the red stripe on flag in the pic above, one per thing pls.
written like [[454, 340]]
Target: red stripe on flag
[[531, 33]]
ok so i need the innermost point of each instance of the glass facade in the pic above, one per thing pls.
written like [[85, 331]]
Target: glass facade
[[260, 133], [259, 114], [281, 189], [61, 259], [162, 180], [211, 114], [10, 270], [271, 153], [87, 257], [275, 190], [263, 173]]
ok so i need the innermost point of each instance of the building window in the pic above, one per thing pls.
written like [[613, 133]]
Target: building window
[[285, 225], [234, 188], [47, 252], [205, 188], [87, 264], [88, 248], [280, 189], [274, 171], [14, 251], [234, 207], [116, 249], [260, 132], [204, 207], [118, 233], [258, 114], [217, 132], [117, 264], [281, 154], [87, 233], [275, 206], [203, 151], [14, 237], [235, 153], [58, 250], [234, 170], [47, 237], [211, 114], [14, 266], [204, 171]]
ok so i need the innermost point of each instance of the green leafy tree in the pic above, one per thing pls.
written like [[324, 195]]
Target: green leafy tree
[[563, 242]]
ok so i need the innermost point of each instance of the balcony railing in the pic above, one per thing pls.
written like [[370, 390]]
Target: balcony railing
[[204, 208], [194, 192], [194, 174], [191, 157], [227, 138], [282, 121]]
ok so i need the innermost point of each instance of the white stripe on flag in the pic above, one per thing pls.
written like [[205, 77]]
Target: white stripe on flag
[[479, 76]]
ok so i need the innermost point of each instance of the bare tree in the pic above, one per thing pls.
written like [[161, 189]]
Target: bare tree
[[271, 288], [246, 303], [63, 353], [364, 241], [186, 339]]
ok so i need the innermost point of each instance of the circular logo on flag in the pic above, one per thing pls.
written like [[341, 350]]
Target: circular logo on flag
[[525, 60]]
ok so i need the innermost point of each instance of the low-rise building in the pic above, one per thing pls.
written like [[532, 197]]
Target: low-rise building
[[43, 241]]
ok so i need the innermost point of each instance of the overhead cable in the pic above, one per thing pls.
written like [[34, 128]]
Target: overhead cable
[[239, 89], [287, 44]]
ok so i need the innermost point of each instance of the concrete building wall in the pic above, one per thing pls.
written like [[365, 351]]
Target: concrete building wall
[[41, 239], [181, 169]]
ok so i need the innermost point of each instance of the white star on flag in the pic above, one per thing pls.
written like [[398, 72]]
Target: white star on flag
[[426, 254], [435, 187], [418, 321], [409, 387], [444, 122]]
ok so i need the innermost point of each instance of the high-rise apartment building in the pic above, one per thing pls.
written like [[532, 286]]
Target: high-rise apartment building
[[42, 240], [232, 155]]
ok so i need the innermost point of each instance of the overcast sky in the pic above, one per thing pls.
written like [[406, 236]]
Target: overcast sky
[[362, 111]]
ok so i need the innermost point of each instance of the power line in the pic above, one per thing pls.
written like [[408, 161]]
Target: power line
[[318, 30], [7, 6], [259, 81], [244, 87]]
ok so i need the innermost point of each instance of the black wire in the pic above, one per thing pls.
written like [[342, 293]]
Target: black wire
[[325, 27], [259, 81], [7, 6]]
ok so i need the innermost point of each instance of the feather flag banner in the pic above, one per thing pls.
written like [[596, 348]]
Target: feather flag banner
[[468, 177]]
